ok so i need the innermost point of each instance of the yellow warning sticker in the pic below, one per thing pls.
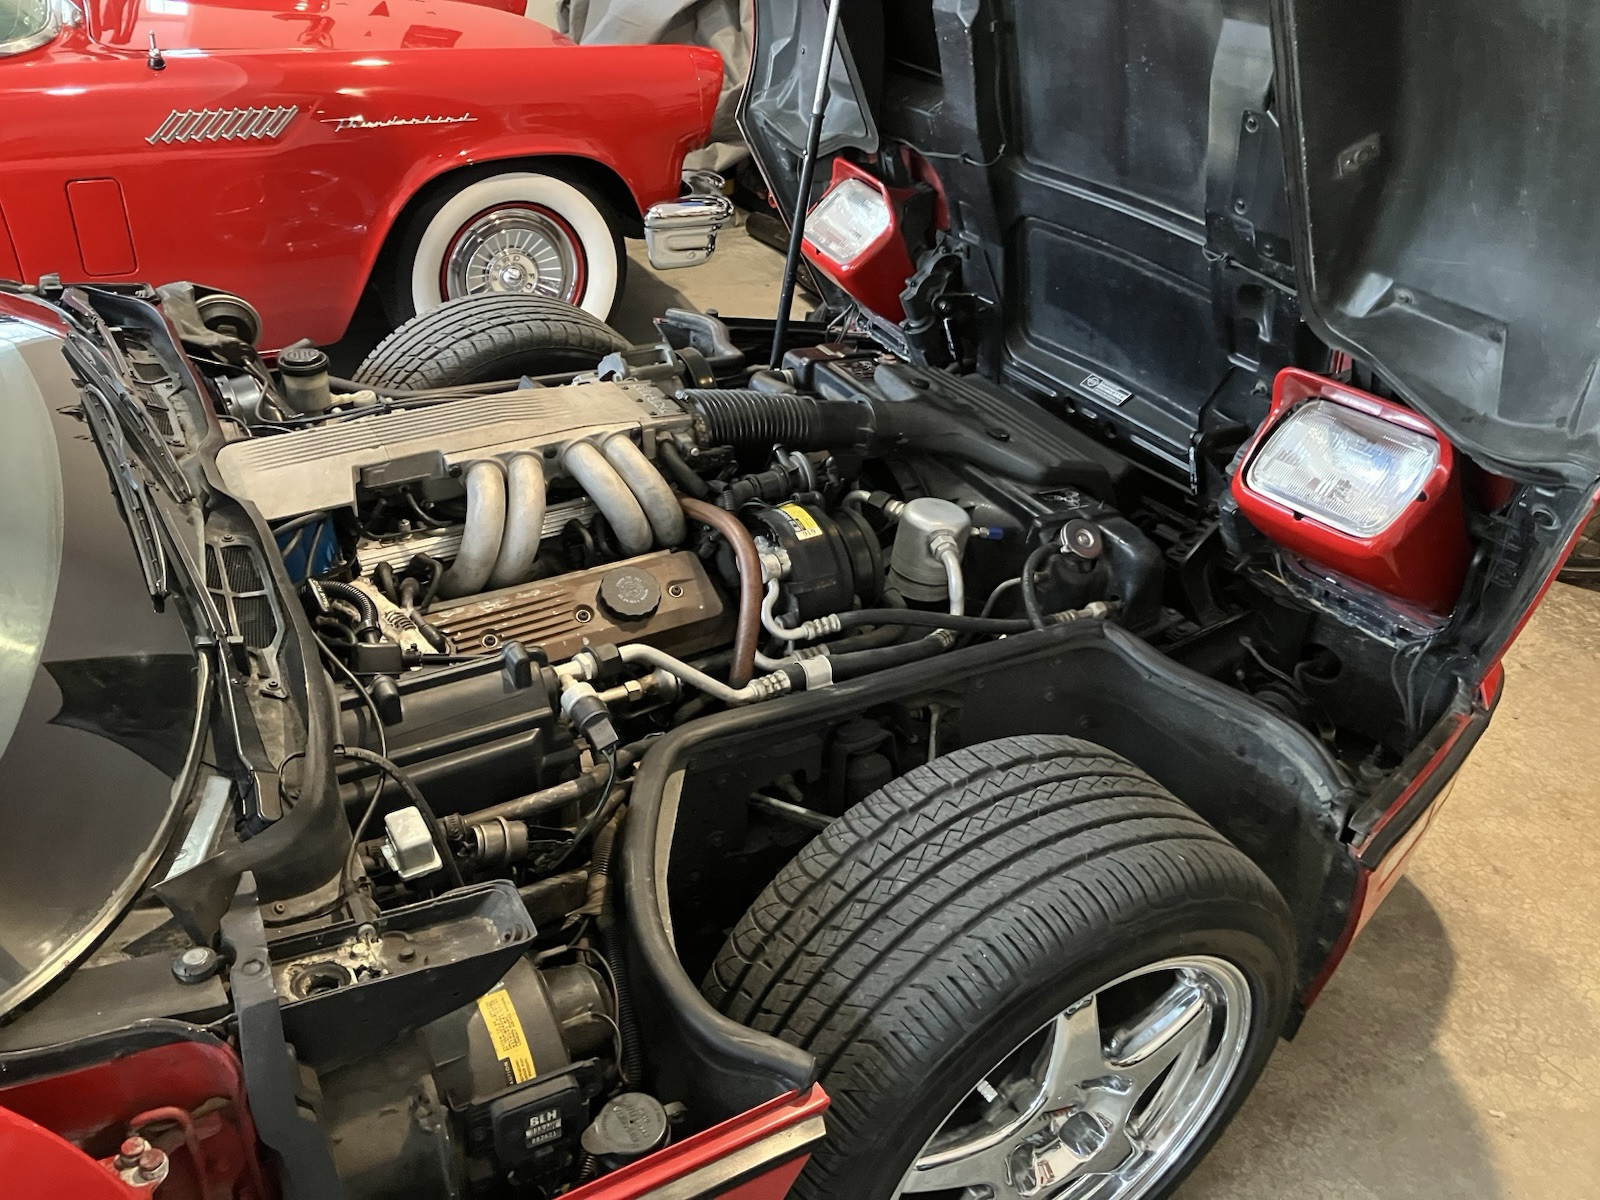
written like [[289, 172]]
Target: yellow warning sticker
[[805, 525], [505, 1033]]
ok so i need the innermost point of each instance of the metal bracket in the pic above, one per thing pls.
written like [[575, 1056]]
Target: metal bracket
[[286, 1126]]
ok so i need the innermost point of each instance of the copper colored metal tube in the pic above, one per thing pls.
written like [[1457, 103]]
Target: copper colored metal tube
[[748, 559]]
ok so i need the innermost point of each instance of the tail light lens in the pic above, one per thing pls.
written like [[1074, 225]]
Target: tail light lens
[[853, 237], [1359, 485]]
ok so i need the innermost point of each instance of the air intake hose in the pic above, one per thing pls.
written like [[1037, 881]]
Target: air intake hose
[[744, 417], [909, 417], [748, 419]]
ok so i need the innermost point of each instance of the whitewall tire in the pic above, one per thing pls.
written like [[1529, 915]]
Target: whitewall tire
[[520, 233]]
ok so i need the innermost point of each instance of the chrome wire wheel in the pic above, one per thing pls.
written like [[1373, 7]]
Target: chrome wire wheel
[[1104, 1099], [516, 249]]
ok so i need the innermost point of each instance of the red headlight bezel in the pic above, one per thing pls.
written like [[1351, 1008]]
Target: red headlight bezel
[[876, 275], [1420, 558]]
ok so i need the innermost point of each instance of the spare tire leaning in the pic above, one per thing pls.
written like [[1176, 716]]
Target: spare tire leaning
[[479, 339], [1025, 969]]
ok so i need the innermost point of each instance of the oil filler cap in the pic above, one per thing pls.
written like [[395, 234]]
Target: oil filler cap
[[629, 593], [629, 1126]]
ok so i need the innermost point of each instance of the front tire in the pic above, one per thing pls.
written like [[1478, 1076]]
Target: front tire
[[489, 338], [979, 955], [515, 232]]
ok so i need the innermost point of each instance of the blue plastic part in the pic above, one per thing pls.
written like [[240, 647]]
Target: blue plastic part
[[314, 545]]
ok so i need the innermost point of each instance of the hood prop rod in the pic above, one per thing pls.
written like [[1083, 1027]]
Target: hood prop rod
[[808, 172]]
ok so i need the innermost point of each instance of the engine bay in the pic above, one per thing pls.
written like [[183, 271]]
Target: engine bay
[[516, 588]]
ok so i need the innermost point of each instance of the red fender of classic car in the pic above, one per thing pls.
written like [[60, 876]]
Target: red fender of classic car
[[291, 151]]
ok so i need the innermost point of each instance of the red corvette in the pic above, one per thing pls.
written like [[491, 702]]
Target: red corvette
[[932, 751], [294, 151]]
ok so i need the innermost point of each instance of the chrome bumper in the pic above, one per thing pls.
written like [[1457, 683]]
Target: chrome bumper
[[683, 232]]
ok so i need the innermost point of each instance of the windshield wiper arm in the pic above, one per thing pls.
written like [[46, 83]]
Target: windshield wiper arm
[[143, 519], [105, 365]]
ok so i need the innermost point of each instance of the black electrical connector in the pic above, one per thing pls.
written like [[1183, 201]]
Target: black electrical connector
[[518, 664]]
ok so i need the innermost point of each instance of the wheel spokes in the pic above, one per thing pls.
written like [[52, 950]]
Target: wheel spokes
[[521, 252], [1088, 1111], [1077, 1055], [985, 1168], [1175, 1022]]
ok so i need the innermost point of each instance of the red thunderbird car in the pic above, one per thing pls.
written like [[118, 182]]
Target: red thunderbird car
[[292, 151]]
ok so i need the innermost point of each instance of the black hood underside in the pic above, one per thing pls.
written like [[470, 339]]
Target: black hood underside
[[1146, 182], [1444, 161]]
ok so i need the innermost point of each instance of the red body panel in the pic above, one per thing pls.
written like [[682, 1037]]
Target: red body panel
[[1373, 884], [9, 267], [1421, 558], [38, 1165], [754, 1156], [91, 1108], [100, 219], [294, 222], [877, 275]]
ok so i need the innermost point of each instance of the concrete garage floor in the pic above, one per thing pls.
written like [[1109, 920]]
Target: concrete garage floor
[[1456, 1053]]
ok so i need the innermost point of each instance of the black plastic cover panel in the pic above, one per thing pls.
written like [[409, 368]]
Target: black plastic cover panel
[[1117, 199], [783, 77], [1444, 157]]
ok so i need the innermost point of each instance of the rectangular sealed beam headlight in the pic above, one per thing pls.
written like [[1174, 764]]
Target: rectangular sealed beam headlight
[[848, 220], [1353, 472], [853, 236], [1360, 485]]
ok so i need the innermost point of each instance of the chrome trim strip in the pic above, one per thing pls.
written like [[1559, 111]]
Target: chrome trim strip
[[186, 126], [253, 127], [360, 122], [230, 128], [280, 121], [769, 1152], [160, 134], [223, 124]]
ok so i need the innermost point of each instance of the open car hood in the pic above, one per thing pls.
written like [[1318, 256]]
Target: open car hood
[[1420, 173]]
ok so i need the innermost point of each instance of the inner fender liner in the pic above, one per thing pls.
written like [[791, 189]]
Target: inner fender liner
[[1266, 784]]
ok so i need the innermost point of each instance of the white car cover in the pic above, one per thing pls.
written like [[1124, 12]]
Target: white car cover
[[723, 25]]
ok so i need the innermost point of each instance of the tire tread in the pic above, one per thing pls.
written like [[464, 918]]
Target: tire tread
[[896, 929], [462, 336]]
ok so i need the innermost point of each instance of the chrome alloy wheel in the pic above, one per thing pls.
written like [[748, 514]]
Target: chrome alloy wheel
[[1100, 1102], [521, 249]]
